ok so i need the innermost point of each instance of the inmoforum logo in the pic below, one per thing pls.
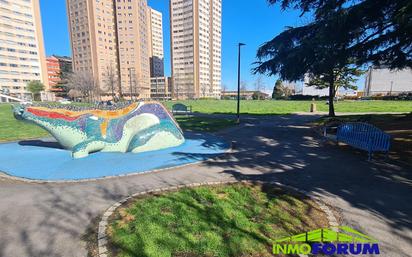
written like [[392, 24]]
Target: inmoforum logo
[[339, 240]]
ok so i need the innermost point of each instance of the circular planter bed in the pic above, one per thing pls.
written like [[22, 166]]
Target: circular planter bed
[[239, 219]]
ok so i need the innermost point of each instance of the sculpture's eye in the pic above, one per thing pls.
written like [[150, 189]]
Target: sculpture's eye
[[21, 111]]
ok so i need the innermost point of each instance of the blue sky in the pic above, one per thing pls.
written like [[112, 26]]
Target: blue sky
[[251, 22]]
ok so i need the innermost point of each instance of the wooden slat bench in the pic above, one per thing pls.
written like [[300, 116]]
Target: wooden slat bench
[[364, 136]]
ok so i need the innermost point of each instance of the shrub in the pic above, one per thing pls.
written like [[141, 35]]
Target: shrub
[[307, 97]]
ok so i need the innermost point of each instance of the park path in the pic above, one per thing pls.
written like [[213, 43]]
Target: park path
[[51, 219]]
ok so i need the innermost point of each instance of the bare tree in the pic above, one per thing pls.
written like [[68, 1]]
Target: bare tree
[[74, 94], [259, 84], [204, 90], [224, 88], [176, 89], [84, 83], [138, 84], [111, 79], [243, 86]]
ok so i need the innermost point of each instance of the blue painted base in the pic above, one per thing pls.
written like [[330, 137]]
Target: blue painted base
[[45, 160]]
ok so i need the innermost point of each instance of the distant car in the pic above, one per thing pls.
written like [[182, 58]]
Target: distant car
[[65, 101]]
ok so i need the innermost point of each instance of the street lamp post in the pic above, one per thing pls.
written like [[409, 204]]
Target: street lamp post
[[238, 84]]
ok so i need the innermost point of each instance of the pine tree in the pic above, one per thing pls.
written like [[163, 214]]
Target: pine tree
[[343, 36]]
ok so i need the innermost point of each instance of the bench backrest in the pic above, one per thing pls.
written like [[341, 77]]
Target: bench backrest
[[179, 107], [363, 135]]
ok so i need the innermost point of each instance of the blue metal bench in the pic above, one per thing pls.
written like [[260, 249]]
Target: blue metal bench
[[181, 109], [364, 136]]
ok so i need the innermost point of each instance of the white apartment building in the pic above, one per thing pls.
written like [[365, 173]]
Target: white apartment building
[[387, 82], [156, 43], [22, 56], [312, 90], [196, 33], [161, 88]]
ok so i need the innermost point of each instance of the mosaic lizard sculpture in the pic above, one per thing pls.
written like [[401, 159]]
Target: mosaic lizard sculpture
[[138, 127]]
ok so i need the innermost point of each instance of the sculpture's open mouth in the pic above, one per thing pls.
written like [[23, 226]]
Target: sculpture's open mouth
[[18, 116], [18, 112]]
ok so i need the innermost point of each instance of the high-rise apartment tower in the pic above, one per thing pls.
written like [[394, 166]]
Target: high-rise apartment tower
[[196, 47], [22, 56], [156, 43], [111, 37]]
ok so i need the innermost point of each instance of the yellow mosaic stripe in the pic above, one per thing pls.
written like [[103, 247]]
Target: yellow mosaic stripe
[[98, 113], [103, 128]]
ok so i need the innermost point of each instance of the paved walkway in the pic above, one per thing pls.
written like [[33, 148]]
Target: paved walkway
[[50, 219]]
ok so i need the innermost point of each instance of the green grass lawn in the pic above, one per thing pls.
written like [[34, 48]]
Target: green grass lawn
[[269, 107], [236, 220], [12, 129], [204, 124]]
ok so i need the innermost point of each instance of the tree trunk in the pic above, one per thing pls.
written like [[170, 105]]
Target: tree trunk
[[120, 89], [331, 97], [113, 98]]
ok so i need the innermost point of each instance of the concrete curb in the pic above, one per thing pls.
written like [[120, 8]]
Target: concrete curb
[[102, 236]]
